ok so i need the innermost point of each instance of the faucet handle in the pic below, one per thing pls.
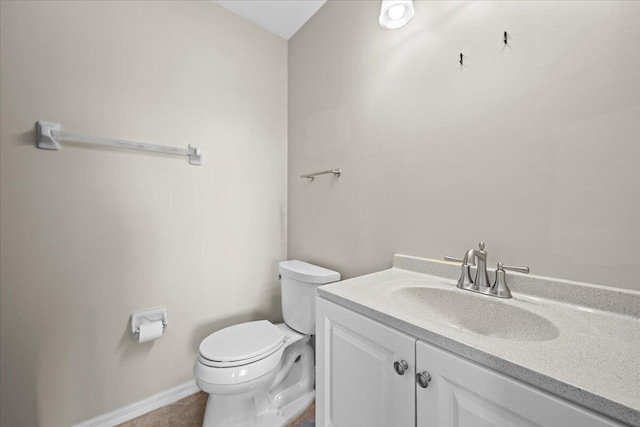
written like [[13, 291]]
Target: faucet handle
[[500, 288], [519, 269], [481, 246]]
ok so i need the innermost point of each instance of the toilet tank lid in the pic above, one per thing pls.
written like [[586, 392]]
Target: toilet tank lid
[[306, 272]]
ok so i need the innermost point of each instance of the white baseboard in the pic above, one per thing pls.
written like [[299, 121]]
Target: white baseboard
[[142, 407]]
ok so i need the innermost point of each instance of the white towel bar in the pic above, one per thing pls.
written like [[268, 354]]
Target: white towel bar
[[50, 134]]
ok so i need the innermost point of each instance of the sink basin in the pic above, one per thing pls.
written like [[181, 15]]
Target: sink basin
[[479, 314]]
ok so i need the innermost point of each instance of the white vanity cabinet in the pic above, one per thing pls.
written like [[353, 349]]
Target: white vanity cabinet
[[462, 393], [357, 384]]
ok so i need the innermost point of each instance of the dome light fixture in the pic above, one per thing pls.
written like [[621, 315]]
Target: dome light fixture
[[396, 13]]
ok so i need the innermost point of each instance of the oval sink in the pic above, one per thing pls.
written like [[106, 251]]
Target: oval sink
[[480, 314]]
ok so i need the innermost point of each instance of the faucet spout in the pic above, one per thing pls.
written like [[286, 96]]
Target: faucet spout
[[473, 258], [478, 257], [470, 257], [465, 281]]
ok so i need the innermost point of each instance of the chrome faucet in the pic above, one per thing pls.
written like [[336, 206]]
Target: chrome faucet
[[481, 283]]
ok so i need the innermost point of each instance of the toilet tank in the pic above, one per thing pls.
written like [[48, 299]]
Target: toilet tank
[[299, 283]]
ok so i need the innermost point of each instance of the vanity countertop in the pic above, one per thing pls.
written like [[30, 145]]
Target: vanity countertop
[[593, 358]]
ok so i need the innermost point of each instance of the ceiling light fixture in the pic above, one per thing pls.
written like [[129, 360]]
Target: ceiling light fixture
[[396, 13]]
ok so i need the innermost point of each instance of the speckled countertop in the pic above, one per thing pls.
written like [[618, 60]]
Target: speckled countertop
[[585, 348]]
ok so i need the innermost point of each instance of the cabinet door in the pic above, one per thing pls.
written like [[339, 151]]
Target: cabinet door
[[356, 383], [464, 394]]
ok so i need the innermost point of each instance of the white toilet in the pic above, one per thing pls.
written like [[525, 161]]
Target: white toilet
[[259, 374]]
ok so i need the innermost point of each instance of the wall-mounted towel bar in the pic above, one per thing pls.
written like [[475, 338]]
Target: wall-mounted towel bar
[[336, 172], [49, 136]]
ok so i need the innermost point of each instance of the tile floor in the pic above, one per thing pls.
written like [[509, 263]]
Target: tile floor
[[189, 412]]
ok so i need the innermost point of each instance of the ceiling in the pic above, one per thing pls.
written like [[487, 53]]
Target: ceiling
[[282, 17]]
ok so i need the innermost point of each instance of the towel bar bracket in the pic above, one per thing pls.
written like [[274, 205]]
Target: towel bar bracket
[[195, 155], [44, 139]]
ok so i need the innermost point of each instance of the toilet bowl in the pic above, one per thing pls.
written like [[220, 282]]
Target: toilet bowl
[[260, 374]]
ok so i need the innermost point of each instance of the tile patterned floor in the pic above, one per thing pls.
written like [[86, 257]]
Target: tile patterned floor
[[189, 412]]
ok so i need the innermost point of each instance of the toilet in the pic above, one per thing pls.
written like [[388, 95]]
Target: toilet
[[260, 374]]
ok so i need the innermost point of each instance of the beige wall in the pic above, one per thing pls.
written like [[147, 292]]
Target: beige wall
[[91, 234], [533, 148]]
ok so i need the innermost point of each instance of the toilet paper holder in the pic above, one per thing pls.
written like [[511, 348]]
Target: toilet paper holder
[[148, 316]]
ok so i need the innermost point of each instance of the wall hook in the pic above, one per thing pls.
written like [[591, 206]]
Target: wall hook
[[461, 60], [505, 37]]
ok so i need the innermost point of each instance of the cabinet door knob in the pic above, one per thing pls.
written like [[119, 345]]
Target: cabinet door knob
[[400, 367], [423, 379]]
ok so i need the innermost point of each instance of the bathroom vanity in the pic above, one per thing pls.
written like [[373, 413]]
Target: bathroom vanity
[[406, 347]]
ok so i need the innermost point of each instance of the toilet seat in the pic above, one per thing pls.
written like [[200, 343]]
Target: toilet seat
[[241, 344], [250, 352], [236, 363]]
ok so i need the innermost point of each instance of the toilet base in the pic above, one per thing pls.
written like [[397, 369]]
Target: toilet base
[[242, 413], [286, 414], [290, 395]]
